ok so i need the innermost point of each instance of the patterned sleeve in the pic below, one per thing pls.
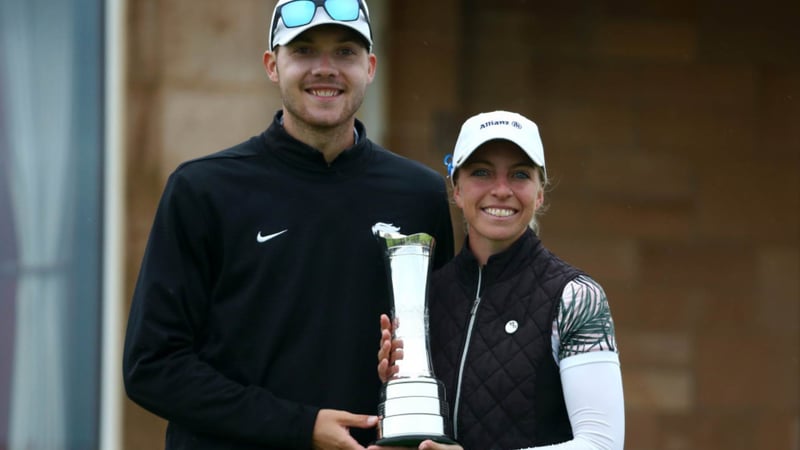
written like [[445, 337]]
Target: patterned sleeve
[[583, 323]]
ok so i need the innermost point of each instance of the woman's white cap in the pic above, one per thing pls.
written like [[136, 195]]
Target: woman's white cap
[[488, 126]]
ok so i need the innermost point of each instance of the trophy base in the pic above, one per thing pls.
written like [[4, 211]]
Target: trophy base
[[413, 410], [412, 440]]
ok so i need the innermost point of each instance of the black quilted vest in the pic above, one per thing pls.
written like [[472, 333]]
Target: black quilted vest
[[511, 394]]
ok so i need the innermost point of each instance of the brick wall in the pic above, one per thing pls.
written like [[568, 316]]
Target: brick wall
[[671, 133], [195, 85]]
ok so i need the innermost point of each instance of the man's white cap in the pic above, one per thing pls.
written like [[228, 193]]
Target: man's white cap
[[282, 35], [485, 127]]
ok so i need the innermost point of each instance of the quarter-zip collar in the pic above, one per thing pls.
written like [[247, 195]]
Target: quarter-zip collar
[[304, 160]]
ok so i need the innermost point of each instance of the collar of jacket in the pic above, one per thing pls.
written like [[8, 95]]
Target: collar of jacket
[[303, 158], [500, 266]]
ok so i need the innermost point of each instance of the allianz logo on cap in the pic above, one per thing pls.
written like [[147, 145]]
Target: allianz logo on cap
[[490, 123]]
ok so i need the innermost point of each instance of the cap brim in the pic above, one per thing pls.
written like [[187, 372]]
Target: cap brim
[[499, 136]]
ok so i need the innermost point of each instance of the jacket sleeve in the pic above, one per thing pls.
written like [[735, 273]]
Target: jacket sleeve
[[162, 369], [592, 385]]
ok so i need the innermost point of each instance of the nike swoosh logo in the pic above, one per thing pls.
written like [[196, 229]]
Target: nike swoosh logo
[[261, 239]]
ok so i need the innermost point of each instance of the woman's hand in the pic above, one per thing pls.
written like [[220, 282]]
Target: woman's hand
[[424, 445], [430, 445], [390, 350]]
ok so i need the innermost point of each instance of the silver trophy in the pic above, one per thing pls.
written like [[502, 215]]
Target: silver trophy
[[413, 406]]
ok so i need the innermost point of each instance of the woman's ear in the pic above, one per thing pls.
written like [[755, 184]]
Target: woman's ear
[[537, 203], [457, 196]]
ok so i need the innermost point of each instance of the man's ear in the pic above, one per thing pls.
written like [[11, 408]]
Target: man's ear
[[270, 61], [373, 66]]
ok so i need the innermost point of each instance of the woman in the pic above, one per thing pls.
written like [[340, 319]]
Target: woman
[[523, 341]]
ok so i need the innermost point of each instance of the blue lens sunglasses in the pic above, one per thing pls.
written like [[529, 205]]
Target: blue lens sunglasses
[[300, 12]]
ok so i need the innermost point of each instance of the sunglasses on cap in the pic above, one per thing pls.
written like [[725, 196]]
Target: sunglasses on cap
[[301, 12]]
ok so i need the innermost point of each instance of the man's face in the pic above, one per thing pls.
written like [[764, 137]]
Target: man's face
[[322, 75]]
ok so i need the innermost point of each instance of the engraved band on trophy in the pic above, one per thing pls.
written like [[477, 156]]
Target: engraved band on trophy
[[413, 406]]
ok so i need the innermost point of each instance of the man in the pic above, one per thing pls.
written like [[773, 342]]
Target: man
[[254, 318]]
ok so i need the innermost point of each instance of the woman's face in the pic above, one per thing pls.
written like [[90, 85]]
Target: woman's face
[[498, 190]]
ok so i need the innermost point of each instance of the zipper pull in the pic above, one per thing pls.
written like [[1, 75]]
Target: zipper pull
[[475, 306], [477, 293]]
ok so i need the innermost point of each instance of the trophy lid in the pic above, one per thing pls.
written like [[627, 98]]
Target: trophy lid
[[391, 234]]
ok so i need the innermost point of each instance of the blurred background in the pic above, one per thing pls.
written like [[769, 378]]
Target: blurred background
[[671, 131]]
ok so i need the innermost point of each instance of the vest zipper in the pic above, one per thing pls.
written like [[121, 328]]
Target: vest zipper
[[467, 340]]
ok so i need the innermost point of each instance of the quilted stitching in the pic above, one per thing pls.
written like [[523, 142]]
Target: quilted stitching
[[498, 397]]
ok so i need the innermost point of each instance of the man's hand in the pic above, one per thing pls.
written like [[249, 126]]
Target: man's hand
[[390, 350], [332, 429]]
